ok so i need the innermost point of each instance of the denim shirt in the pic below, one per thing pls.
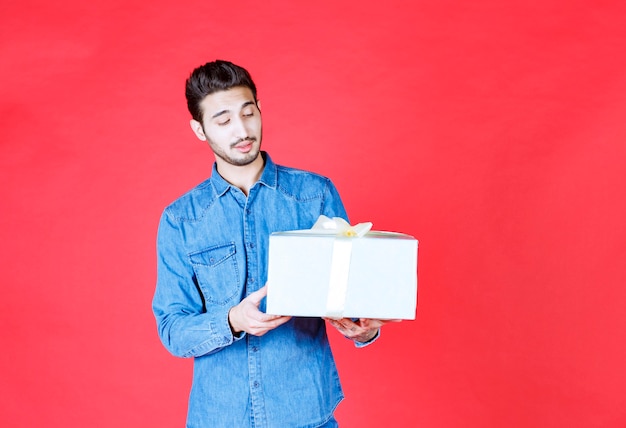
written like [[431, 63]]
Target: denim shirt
[[212, 250]]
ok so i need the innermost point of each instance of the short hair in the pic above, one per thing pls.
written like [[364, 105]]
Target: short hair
[[213, 77]]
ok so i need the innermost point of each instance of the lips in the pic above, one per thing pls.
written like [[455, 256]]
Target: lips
[[244, 146]]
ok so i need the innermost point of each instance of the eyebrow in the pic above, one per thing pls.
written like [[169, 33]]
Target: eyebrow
[[244, 105]]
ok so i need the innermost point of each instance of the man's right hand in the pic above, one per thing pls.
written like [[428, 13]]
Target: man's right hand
[[247, 317]]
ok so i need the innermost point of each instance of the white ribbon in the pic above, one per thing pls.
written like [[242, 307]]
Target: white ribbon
[[340, 264], [340, 227]]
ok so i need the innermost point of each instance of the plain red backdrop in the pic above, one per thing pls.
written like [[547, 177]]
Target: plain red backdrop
[[492, 131]]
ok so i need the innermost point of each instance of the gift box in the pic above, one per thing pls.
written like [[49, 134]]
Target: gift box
[[340, 271]]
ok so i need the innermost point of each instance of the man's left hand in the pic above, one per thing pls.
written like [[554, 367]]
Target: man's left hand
[[363, 330]]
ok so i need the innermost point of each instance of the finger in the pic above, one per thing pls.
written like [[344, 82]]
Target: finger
[[376, 322], [279, 321], [256, 296], [347, 322], [265, 318], [263, 327], [346, 327]]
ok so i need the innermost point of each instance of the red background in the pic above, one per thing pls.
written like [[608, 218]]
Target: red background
[[493, 131]]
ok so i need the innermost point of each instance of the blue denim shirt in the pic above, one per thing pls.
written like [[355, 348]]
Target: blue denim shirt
[[212, 251]]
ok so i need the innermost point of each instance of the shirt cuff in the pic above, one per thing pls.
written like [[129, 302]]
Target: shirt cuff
[[239, 336]]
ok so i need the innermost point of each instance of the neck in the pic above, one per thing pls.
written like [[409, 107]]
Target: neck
[[244, 176]]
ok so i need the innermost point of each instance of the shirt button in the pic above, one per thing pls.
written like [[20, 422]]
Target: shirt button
[[251, 244], [255, 349], [251, 280], [255, 384]]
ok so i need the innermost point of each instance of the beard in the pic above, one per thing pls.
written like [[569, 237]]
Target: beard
[[234, 158]]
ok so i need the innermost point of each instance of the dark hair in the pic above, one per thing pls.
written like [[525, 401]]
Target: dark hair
[[213, 77]]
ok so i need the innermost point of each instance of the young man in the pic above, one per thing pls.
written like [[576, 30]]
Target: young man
[[250, 369]]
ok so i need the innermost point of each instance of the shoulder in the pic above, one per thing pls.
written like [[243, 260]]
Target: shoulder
[[193, 204], [305, 184], [294, 176]]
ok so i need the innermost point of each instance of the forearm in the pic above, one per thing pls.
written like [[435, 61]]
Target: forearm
[[187, 326], [193, 335]]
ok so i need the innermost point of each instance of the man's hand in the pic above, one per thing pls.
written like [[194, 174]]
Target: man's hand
[[362, 330], [247, 317]]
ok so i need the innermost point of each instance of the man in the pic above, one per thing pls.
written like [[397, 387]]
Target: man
[[250, 369]]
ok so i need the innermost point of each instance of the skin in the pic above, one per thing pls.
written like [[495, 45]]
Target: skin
[[362, 330], [232, 127]]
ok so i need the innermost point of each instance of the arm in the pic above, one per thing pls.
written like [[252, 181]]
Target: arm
[[184, 326]]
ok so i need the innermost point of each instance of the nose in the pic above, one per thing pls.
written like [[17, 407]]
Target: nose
[[239, 128]]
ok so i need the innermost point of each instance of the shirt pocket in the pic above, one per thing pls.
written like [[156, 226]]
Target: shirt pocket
[[217, 273]]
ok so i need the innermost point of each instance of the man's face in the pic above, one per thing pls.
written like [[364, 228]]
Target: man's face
[[231, 125]]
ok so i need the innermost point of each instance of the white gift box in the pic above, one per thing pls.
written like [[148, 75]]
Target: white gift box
[[317, 273]]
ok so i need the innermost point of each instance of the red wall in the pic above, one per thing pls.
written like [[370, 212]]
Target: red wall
[[493, 131]]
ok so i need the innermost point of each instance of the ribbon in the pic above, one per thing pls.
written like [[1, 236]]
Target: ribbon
[[340, 227], [340, 264]]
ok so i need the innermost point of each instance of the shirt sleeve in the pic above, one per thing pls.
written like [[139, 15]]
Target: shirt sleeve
[[333, 206], [185, 328]]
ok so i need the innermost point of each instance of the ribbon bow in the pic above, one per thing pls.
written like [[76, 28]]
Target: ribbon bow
[[339, 227]]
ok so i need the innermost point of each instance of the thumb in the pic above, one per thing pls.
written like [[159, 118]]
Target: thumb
[[256, 296]]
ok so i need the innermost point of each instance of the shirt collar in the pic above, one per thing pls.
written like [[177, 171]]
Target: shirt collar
[[269, 176]]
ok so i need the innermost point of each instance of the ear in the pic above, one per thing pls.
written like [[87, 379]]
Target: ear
[[196, 127], [258, 104]]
